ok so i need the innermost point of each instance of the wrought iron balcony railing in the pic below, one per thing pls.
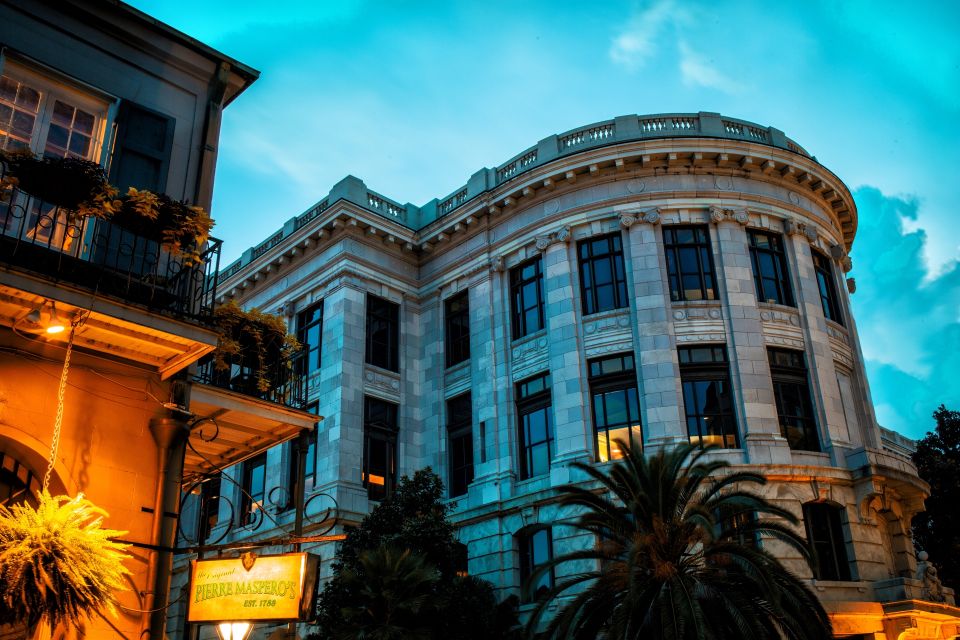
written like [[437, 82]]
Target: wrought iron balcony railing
[[280, 380], [50, 241]]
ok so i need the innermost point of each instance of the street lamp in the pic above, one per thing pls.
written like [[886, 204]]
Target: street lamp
[[234, 630]]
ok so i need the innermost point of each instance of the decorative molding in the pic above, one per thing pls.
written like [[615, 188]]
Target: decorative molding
[[529, 350], [846, 263], [562, 235], [717, 214], [651, 216], [852, 285], [384, 381], [627, 220], [604, 349], [778, 316], [698, 313]]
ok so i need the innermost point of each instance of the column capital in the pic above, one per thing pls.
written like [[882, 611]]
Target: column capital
[[719, 214], [560, 236]]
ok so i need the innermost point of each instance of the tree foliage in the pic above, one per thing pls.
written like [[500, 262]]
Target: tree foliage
[[675, 558], [937, 530], [411, 523]]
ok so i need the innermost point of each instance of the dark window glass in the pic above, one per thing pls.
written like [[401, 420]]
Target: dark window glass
[[141, 156], [379, 447], [209, 508], [536, 432], [788, 371], [603, 282], [18, 485], [460, 438], [707, 397], [536, 549], [616, 406], [457, 315], [770, 273], [825, 533], [383, 333], [254, 488], [526, 298], [689, 262], [310, 468], [309, 335], [828, 292]]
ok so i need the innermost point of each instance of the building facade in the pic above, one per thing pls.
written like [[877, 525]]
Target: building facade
[[657, 279], [103, 82]]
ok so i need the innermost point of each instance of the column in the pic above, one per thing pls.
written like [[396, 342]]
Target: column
[[655, 349], [564, 355], [746, 349]]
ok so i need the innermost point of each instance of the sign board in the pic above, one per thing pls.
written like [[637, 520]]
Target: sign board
[[278, 588]]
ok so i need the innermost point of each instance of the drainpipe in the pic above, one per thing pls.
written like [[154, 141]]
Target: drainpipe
[[170, 433]]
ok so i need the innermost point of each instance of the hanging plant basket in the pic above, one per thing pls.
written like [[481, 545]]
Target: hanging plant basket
[[57, 564], [64, 182]]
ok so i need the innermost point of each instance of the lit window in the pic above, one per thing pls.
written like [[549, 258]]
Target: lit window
[[769, 262], [457, 318], [616, 409], [460, 439], [788, 371], [707, 397], [526, 298], [689, 262], [828, 292], [536, 432], [379, 447], [603, 283], [536, 549], [825, 534]]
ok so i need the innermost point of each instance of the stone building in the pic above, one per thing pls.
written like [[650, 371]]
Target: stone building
[[101, 81], [663, 278]]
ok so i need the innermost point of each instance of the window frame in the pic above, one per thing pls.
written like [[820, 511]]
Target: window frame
[[248, 497], [602, 383], [518, 306], [780, 278], [310, 469], [715, 370], [526, 545], [835, 561], [456, 328], [383, 353], [587, 261], [304, 323], [459, 428], [377, 431], [528, 403], [794, 379], [826, 287], [208, 509], [675, 274]]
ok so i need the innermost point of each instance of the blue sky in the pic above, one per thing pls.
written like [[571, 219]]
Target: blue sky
[[415, 97]]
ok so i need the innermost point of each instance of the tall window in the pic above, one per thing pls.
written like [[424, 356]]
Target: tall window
[[616, 408], [536, 549], [536, 432], [383, 333], [770, 267], [457, 319], [209, 508], [828, 292], [825, 533], [379, 447], [707, 397], [310, 466], [603, 283], [309, 335], [460, 439], [526, 295], [254, 485], [689, 262], [788, 370]]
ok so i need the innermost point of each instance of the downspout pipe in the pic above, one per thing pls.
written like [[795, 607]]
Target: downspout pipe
[[170, 433]]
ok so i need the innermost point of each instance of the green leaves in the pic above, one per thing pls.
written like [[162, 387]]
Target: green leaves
[[57, 563]]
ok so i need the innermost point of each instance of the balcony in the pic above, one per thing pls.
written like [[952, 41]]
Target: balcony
[[55, 244], [282, 381]]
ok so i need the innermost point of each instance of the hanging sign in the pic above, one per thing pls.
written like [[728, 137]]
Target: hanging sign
[[278, 588]]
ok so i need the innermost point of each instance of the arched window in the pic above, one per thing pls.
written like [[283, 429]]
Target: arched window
[[536, 549], [825, 533], [17, 482]]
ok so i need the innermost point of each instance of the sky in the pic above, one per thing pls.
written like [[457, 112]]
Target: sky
[[414, 97]]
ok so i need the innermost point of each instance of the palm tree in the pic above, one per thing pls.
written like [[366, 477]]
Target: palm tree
[[396, 597], [678, 557]]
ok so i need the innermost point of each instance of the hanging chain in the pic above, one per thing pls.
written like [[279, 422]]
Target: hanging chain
[[55, 444]]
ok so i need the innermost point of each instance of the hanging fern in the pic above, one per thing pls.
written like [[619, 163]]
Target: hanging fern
[[57, 564]]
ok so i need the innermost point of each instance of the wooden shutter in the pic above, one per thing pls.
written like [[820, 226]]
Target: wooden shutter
[[141, 156]]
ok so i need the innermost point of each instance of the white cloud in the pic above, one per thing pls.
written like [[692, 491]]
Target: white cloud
[[638, 42], [697, 71]]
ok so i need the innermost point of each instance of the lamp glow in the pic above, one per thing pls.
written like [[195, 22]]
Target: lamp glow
[[234, 630], [55, 325]]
